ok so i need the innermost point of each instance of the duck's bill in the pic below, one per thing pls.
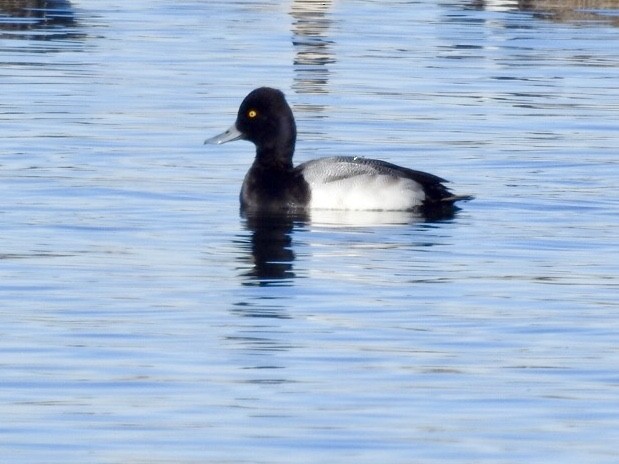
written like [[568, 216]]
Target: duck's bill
[[230, 135]]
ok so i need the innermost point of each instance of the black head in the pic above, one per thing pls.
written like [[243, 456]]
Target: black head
[[265, 119]]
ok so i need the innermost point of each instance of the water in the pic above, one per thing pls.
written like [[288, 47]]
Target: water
[[142, 320]]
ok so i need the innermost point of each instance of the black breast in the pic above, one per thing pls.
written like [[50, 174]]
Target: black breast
[[274, 189]]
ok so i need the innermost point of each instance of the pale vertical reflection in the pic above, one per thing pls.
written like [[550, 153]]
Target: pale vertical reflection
[[313, 51]]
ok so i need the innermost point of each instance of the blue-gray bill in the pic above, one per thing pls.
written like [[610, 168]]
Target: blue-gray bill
[[230, 135]]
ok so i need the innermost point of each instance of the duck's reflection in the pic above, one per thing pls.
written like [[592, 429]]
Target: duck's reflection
[[268, 258], [37, 19], [272, 255]]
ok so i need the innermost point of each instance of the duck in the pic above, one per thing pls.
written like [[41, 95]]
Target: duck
[[274, 184]]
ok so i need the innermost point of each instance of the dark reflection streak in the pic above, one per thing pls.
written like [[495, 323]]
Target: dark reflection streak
[[271, 250], [566, 11], [268, 252], [40, 20]]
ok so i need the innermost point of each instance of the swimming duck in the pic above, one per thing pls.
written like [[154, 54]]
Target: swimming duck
[[273, 184]]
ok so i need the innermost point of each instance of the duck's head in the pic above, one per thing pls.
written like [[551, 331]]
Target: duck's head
[[265, 119]]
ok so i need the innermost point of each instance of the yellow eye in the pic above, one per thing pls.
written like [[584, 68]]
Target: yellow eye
[[252, 113]]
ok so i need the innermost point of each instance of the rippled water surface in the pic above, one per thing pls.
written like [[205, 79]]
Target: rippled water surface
[[142, 320]]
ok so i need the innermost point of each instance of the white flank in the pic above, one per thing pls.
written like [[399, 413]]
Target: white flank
[[341, 185]]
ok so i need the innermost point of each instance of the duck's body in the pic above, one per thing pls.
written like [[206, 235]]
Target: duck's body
[[273, 184], [353, 183]]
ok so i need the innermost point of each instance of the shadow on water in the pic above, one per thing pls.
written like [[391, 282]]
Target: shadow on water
[[37, 20], [567, 11]]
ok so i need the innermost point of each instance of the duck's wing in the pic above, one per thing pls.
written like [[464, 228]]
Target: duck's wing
[[339, 167], [343, 168]]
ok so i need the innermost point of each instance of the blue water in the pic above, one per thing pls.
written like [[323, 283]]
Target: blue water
[[142, 320]]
